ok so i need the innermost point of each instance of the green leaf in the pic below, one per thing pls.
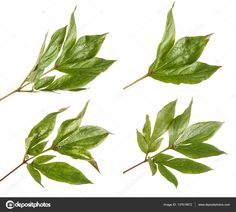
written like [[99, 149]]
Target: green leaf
[[185, 52], [147, 129], [160, 157], [154, 145], [168, 38], [85, 48], [81, 75], [179, 124], [143, 145], [168, 175], [43, 82], [75, 152], [87, 137], [69, 82], [163, 120], [34, 173], [152, 166], [37, 149], [94, 164], [176, 62], [42, 130], [43, 159], [63, 172], [186, 166], [199, 132], [93, 66], [53, 48], [70, 38], [189, 74], [69, 126], [198, 150], [35, 73]]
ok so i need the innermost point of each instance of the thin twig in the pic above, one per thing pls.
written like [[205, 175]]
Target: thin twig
[[146, 159], [23, 85], [135, 166], [22, 163], [139, 79]]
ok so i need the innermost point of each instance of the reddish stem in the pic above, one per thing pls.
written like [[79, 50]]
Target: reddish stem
[[135, 166]]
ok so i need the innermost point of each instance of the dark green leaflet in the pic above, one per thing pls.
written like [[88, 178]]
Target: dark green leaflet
[[164, 117], [179, 124], [43, 159], [42, 130], [86, 136], [152, 166], [184, 139], [177, 62], [62, 172], [34, 173], [198, 150], [167, 174], [69, 126], [199, 132]]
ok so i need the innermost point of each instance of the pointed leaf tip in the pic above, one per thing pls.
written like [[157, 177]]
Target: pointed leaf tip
[[63, 109], [95, 165], [209, 35], [173, 5]]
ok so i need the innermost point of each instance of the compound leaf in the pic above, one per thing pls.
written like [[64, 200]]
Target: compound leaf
[[176, 62]]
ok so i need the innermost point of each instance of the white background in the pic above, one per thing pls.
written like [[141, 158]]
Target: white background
[[135, 27]]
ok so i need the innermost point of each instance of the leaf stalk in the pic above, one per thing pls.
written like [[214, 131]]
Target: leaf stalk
[[22, 163], [23, 85], [139, 79], [146, 160]]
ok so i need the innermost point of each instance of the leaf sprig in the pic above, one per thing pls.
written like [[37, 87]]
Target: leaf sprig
[[74, 58], [185, 139], [177, 62], [72, 140]]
